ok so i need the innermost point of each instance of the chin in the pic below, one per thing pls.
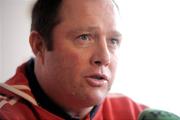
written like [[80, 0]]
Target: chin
[[96, 98]]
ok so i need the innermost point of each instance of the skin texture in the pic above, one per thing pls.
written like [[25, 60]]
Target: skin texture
[[85, 44]]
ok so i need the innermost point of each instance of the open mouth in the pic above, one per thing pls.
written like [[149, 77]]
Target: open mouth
[[97, 80], [98, 77]]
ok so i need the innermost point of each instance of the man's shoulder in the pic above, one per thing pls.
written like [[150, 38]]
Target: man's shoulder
[[119, 107], [118, 99], [120, 102], [12, 106], [8, 107]]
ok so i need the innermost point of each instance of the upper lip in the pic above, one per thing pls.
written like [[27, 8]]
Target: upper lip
[[98, 75]]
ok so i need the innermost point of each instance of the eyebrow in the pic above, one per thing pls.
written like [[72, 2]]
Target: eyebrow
[[116, 33], [80, 29], [93, 29]]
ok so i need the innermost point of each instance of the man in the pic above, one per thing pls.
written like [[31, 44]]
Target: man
[[75, 43]]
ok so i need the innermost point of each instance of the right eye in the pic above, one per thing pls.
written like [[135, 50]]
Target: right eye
[[84, 40], [84, 37]]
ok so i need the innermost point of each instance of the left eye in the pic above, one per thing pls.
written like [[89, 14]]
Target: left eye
[[115, 42]]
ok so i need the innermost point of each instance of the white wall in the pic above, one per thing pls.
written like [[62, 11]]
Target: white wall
[[149, 69], [14, 36]]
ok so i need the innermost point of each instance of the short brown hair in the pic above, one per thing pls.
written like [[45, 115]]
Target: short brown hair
[[45, 18]]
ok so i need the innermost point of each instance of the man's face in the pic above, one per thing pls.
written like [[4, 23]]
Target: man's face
[[81, 67]]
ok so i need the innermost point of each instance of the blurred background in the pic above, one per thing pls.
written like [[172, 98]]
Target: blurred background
[[149, 64]]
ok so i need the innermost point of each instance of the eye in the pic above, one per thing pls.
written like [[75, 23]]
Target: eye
[[84, 37], [115, 42], [84, 40]]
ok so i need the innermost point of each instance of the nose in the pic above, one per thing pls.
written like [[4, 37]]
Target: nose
[[101, 55]]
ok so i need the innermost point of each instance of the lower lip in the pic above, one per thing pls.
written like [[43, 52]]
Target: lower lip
[[96, 83]]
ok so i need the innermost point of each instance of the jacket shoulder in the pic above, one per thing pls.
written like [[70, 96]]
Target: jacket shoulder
[[124, 102], [119, 107], [13, 107]]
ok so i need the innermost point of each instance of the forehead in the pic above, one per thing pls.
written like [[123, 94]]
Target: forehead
[[91, 13], [88, 7]]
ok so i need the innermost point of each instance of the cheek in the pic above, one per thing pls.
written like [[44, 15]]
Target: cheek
[[73, 60], [70, 64], [113, 67], [66, 68]]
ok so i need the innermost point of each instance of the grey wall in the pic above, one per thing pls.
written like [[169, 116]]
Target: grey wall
[[14, 32], [0, 40]]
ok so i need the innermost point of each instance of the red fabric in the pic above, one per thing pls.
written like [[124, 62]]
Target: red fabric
[[114, 107], [118, 107]]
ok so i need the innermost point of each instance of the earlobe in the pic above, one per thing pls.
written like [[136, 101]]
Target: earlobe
[[37, 44]]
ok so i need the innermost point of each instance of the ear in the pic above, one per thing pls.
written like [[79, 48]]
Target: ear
[[37, 45]]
